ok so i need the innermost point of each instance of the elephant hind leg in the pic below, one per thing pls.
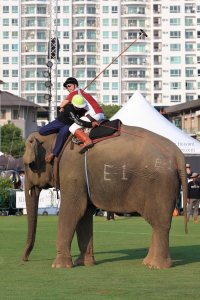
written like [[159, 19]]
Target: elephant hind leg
[[160, 251], [150, 256], [84, 231]]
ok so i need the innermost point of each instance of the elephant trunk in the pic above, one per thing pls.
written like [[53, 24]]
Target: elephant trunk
[[32, 199]]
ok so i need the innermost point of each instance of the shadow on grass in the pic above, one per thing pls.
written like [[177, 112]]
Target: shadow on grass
[[180, 256]]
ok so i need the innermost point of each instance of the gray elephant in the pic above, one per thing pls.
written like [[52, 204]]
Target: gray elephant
[[137, 171]]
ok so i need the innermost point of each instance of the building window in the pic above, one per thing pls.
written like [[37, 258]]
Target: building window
[[65, 9], [105, 22], [58, 22], [115, 62], [115, 99], [14, 34], [66, 47], [114, 73], [175, 98], [105, 85], [115, 86], [106, 99], [189, 60], [5, 22], [30, 10], [175, 73], [175, 60], [5, 73], [189, 47], [114, 9], [14, 22], [189, 98], [15, 114], [2, 114], [175, 47], [14, 73], [58, 73], [14, 47], [115, 35], [175, 9], [105, 34], [5, 9], [66, 35], [175, 85], [6, 87], [114, 22], [5, 47], [106, 73], [14, 9], [105, 9], [58, 9], [65, 73], [65, 22], [30, 86], [30, 98], [198, 47], [5, 34], [175, 22], [175, 34], [106, 47], [105, 60], [189, 73], [33, 117], [14, 86], [65, 60], [5, 60], [115, 47]]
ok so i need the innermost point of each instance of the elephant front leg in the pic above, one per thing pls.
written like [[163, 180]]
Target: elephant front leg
[[84, 231], [161, 252], [67, 222], [150, 256]]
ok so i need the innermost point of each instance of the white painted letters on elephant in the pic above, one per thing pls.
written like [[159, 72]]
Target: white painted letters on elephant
[[108, 171]]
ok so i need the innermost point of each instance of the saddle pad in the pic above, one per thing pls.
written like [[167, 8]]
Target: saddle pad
[[99, 132]]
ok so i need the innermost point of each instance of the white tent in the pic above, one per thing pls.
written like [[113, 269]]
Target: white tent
[[138, 112]]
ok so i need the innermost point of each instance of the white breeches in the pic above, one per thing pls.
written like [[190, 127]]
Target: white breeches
[[75, 126]]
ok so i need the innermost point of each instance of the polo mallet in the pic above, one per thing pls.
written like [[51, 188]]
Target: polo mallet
[[142, 32]]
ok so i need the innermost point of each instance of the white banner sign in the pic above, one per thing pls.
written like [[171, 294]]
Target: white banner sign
[[47, 198]]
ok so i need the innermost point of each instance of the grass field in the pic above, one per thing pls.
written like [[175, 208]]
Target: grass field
[[119, 248]]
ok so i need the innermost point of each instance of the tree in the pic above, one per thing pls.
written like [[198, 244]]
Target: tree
[[12, 141], [110, 110], [5, 185]]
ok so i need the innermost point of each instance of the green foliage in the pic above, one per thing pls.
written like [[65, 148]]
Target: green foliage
[[110, 110], [119, 248], [5, 184], [12, 140]]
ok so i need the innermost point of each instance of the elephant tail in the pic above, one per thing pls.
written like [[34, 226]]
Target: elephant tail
[[183, 179]]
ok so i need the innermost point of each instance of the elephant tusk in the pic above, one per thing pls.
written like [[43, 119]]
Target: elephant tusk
[[29, 192]]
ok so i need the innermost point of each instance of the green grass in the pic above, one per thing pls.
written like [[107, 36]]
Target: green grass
[[119, 248]]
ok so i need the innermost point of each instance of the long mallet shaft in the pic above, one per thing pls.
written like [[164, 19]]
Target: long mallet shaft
[[142, 32]]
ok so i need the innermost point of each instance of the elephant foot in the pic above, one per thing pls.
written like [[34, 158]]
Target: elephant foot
[[62, 262], [84, 261], [147, 261], [159, 263]]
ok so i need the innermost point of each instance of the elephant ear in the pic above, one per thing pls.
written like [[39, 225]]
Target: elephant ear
[[31, 150]]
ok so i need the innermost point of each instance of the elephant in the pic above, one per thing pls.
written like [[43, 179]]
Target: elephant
[[138, 171]]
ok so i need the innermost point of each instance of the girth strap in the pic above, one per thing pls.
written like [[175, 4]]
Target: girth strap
[[87, 179]]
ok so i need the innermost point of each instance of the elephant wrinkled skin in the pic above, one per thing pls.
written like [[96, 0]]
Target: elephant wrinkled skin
[[127, 173]]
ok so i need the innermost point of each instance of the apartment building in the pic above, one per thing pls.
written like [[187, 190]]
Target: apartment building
[[164, 67]]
